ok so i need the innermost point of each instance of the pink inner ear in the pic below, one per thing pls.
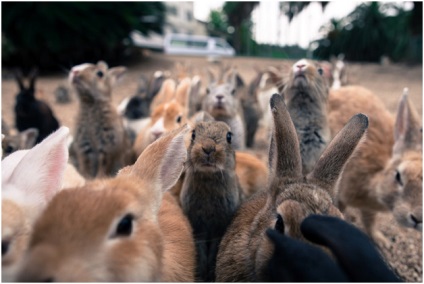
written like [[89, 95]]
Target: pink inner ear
[[172, 162], [39, 174]]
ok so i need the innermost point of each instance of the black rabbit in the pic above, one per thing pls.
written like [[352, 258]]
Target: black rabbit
[[31, 112], [356, 258]]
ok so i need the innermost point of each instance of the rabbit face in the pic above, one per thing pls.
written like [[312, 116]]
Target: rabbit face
[[166, 117], [210, 149], [108, 225], [220, 100], [401, 189], [307, 76], [94, 81]]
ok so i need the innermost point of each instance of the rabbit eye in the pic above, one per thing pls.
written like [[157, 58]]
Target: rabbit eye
[[398, 178], [279, 224], [193, 135], [229, 135], [233, 92], [125, 226], [179, 119], [9, 149], [320, 71], [99, 74], [207, 91], [4, 247]]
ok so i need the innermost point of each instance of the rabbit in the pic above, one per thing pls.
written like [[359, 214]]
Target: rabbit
[[121, 229], [62, 95], [210, 193], [169, 115], [31, 112], [135, 110], [101, 145], [339, 72], [356, 257], [222, 103], [386, 172], [290, 197], [306, 94], [30, 179], [20, 141]]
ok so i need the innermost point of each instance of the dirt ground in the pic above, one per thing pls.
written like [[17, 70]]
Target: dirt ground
[[405, 253]]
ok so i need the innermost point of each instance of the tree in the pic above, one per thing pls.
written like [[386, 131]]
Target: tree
[[51, 34]]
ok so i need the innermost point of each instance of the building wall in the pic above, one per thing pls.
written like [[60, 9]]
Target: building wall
[[180, 19]]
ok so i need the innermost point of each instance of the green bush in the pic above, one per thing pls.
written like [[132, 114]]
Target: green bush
[[57, 34]]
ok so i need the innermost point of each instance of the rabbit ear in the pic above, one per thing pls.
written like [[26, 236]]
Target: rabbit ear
[[193, 96], [116, 73], [165, 94], [155, 84], [18, 76], [36, 175], [183, 91], [32, 76], [211, 76], [296, 261], [329, 166], [353, 249], [161, 163], [28, 138], [408, 129], [285, 143]]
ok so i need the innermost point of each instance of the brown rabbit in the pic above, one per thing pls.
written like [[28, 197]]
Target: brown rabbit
[[386, 172], [211, 193], [30, 179], [123, 229], [306, 94], [291, 196], [101, 145], [166, 116]]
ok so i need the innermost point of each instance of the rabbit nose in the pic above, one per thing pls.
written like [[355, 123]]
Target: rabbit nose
[[300, 66], [219, 97], [157, 134], [208, 150]]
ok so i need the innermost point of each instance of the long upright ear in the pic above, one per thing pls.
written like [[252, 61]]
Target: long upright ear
[[34, 176], [231, 77], [18, 76], [211, 76], [162, 162], [331, 163], [32, 76], [408, 129], [155, 84], [193, 97], [165, 94], [116, 73], [28, 138], [183, 91], [288, 165]]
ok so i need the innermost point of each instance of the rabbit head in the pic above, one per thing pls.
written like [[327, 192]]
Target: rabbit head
[[24, 195], [401, 187], [95, 81], [170, 114], [210, 148], [23, 140], [108, 230], [297, 196], [26, 95], [306, 77], [220, 99]]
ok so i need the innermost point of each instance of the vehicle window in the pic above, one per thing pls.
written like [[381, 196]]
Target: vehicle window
[[221, 44], [198, 44], [178, 43]]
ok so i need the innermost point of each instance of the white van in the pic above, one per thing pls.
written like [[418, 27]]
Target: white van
[[182, 44]]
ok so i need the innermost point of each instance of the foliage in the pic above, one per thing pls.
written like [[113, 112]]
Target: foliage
[[292, 9], [51, 34], [367, 33]]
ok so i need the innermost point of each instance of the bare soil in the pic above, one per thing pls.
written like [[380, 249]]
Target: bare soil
[[405, 253]]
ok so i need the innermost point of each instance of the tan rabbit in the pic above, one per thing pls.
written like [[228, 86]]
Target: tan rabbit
[[210, 192], [30, 178], [125, 229], [166, 116], [386, 172], [101, 145], [291, 196], [252, 173], [306, 94]]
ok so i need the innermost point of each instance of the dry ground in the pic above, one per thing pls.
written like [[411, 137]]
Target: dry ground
[[405, 254]]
